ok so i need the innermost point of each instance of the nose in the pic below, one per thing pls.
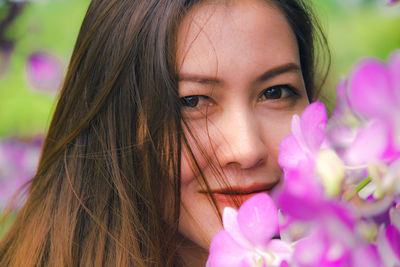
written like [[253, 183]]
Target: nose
[[241, 141]]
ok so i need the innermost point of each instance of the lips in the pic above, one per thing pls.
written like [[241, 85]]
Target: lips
[[233, 200], [235, 196]]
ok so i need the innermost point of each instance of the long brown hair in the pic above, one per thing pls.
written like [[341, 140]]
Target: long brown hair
[[107, 189]]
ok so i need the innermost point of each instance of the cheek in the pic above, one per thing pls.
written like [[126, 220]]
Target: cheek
[[199, 148], [274, 130], [187, 173], [198, 221]]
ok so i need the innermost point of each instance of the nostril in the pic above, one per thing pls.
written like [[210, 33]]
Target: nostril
[[246, 164], [257, 164]]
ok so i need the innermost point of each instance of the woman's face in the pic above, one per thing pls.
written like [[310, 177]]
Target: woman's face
[[240, 83]]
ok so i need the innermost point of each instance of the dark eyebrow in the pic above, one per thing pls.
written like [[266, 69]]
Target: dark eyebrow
[[202, 79], [269, 74]]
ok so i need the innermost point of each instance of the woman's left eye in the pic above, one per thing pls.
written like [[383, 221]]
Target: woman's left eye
[[278, 92]]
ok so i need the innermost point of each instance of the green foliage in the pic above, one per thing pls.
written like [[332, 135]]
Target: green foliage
[[355, 32], [50, 26]]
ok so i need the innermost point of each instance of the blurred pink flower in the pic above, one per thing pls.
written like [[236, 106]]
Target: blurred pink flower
[[247, 236], [392, 2], [388, 243], [374, 95], [301, 196], [18, 163], [44, 71], [323, 249]]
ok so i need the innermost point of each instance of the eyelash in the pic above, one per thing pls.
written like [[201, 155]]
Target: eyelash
[[290, 91], [193, 101]]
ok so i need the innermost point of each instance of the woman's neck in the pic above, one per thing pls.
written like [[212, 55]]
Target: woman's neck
[[192, 255]]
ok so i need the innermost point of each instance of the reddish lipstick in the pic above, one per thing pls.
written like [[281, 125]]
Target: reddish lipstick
[[235, 196]]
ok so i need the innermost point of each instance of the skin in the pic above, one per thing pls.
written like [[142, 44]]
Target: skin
[[241, 83]]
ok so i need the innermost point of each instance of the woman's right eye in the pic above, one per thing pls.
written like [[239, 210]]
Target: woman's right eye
[[194, 101]]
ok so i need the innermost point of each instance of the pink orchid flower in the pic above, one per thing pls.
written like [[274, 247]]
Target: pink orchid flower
[[247, 236], [388, 243], [328, 226], [388, 240], [321, 248], [307, 138], [374, 95], [307, 148]]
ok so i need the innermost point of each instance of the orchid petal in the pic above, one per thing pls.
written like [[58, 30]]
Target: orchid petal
[[296, 128], [366, 256], [313, 124], [290, 153], [388, 256], [310, 250], [300, 199], [231, 225], [340, 106], [341, 136], [301, 182], [258, 219], [394, 68], [368, 145], [281, 250], [224, 251], [370, 90], [340, 220], [393, 238], [394, 214], [374, 208]]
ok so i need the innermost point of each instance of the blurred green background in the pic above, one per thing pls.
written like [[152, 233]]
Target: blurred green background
[[43, 32]]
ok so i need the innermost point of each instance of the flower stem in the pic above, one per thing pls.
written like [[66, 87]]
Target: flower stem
[[358, 188]]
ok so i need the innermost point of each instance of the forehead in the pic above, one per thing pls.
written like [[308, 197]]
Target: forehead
[[216, 37]]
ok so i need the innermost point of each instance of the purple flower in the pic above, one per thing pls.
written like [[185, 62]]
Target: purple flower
[[302, 199], [394, 214], [369, 144], [374, 95], [317, 249], [44, 71], [18, 162], [388, 242], [308, 136], [333, 241], [307, 149], [343, 125], [366, 256], [321, 248], [388, 239], [300, 196], [247, 236]]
